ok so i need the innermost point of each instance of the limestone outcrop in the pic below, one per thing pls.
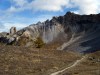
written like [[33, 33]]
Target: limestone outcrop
[[73, 32], [13, 30]]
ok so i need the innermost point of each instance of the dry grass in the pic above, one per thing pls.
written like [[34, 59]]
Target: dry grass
[[90, 66], [30, 61]]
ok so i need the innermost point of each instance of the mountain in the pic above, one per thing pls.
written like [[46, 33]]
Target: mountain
[[74, 32]]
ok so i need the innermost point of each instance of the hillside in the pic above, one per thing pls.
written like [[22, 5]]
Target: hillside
[[74, 32], [64, 45], [31, 61], [89, 66], [16, 60]]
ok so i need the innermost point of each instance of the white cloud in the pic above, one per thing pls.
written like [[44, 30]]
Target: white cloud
[[38, 5], [10, 19], [42, 18], [49, 5], [1, 25], [20, 2], [12, 9], [87, 6], [84, 6], [8, 25]]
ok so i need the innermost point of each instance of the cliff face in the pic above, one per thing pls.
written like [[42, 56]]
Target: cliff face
[[83, 32], [48, 30], [72, 31]]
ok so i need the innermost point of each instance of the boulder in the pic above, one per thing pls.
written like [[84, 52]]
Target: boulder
[[13, 30]]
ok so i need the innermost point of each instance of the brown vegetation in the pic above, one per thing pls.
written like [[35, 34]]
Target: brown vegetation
[[39, 42], [89, 66], [23, 41], [30, 61]]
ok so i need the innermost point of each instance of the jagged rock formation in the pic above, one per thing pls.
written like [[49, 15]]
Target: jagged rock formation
[[72, 31], [8, 38], [13, 30], [83, 31]]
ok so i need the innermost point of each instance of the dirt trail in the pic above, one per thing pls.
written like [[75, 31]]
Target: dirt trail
[[74, 64]]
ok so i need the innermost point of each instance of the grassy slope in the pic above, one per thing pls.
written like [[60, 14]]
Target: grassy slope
[[29, 61], [89, 66]]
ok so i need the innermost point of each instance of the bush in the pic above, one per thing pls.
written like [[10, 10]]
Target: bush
[[23, 41], [39, 42]]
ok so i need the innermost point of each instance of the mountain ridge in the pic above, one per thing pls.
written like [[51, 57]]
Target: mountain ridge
[[72, 32]]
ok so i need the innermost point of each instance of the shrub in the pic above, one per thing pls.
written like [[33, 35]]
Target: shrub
[[23, 41], [39, 42]]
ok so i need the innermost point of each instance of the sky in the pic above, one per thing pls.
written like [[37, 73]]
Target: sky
[[21, 13]]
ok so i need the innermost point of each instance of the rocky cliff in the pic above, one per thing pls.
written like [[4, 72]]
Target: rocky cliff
[[72, 32]]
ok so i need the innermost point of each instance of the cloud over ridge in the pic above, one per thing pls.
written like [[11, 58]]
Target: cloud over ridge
[[84, 6], [21, 13]]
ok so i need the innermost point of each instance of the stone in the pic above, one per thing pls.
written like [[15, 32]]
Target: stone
[[13, 30]]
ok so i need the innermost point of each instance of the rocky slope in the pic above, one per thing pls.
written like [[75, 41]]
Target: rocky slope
[[73, 32]]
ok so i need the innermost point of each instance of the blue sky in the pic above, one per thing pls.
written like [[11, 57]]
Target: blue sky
[[21, 13]]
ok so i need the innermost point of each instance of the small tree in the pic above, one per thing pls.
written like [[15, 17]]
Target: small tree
[[39, 42]]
